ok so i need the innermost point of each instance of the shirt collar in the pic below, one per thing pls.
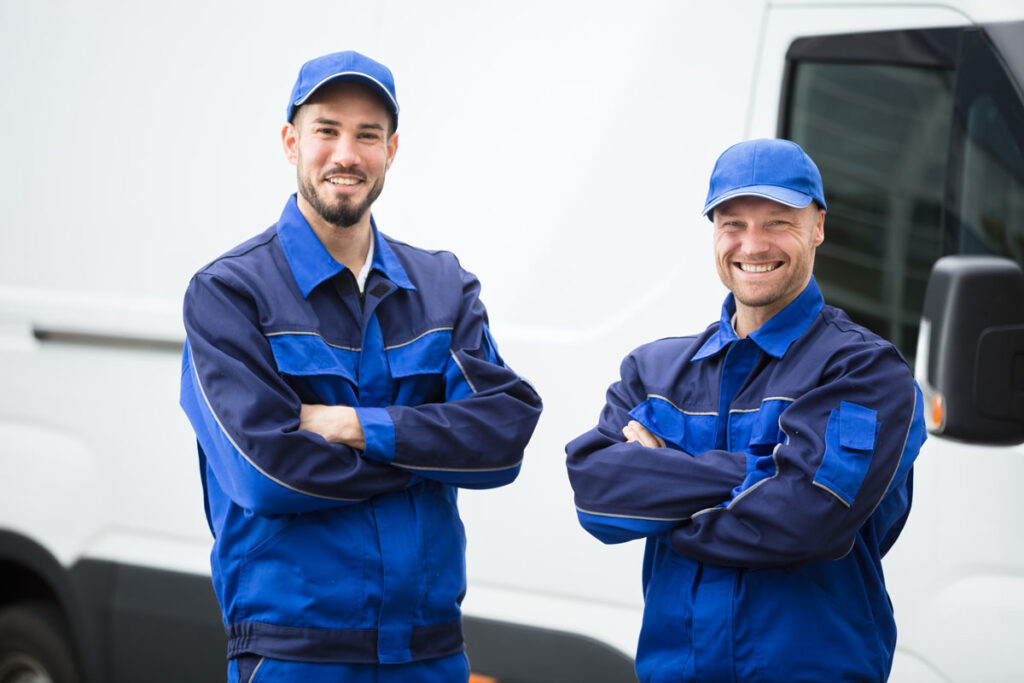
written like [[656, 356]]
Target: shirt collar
[[311, 263], [776, 335]]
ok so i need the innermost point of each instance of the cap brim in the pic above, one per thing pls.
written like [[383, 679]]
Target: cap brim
[[782, 195], [352, 76]]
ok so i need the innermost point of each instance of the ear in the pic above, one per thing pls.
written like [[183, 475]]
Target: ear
[[290, 142], [392, 149], [819, 228]]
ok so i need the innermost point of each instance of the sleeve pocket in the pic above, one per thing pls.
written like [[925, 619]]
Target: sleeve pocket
[[849, 445]]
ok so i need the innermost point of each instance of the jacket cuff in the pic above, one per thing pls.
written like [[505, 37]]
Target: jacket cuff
[[379, 433]]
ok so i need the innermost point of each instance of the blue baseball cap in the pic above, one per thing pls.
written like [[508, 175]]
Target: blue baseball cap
[[343, 66], [774, 169]]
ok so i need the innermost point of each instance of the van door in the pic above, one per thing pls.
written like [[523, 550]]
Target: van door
[[919, 136]]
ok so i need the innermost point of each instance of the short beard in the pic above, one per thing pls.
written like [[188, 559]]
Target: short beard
[[344, 214]]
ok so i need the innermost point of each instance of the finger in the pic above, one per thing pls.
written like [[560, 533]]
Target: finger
[[629, 433], [645, 436]]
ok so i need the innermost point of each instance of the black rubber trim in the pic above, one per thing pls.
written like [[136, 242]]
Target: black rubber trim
[[142, 624], [29, 572], [514, 653]]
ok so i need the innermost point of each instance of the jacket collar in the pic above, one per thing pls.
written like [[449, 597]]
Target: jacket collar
[[311, 263], [776, 335]]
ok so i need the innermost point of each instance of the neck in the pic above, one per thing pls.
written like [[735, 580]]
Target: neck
[[348, 246]]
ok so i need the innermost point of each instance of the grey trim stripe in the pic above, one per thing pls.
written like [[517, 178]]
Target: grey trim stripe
[[360, 74], [822, 486], [258, 665], [313, 334], [775, 461], [456, 469], [649, 519], [436, 329], [684, 412], [903, 451], [463, 371], [195, 373], [763, 401]]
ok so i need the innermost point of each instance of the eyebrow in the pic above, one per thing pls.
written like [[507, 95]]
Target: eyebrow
[[321, 121]]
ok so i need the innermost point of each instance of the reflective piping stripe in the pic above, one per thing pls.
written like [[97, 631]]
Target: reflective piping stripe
[[313, 334], [649, 519], [361, 75], [436, 329], [463, 371], [455, 469], [258, 665], [202, 392], [775, 461], [910, 426], [684, 412], [763, 401], [822, 486]]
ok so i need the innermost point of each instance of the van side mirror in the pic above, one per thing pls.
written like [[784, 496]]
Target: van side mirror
[[970, 351]]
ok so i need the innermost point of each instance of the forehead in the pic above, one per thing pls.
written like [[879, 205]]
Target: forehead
[[756, 206], [345, 100]]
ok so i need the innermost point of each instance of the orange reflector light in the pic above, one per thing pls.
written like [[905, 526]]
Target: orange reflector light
[[477, 678], [938, 410]]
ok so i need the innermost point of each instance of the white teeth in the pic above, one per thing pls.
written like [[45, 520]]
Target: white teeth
[[343, 181], [757, 268]]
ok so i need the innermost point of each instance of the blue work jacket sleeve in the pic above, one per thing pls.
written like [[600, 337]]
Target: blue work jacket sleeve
[[848, 443], [476, 437], [246, 417], [625, 490]]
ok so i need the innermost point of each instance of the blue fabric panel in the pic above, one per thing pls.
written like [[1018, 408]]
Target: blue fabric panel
[[426, 355], [761, 431], [379, 432], [608, 529], [849, 440], [712, 624], [856, 426], [490, 348], [456, 385], [662, 419], [376, 386], [400, 547], [918, 434], [309, 354]]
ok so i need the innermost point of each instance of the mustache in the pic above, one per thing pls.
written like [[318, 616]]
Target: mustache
[[343, 170]]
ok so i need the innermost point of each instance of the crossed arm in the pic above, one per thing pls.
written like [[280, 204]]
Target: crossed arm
[[848, 444], [336, 424]]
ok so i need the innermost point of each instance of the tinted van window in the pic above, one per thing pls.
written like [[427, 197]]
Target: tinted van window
[[880, 136]]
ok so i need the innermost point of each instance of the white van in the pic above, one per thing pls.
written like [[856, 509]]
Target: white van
[[562, 150]]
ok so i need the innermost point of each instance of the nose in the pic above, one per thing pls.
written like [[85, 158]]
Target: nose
[[345, 153], [756, 240]]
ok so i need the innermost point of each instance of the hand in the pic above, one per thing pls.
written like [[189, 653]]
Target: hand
[[634, 431], [337, 424]]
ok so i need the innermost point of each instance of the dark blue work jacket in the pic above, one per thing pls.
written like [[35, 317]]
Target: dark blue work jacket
[[322, 552], [785, 477]]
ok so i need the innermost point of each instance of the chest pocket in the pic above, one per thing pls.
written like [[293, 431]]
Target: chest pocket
[[758, 431], [319, 372], [418, 367]]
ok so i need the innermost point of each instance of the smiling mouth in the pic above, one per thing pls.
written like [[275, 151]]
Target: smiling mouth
[[344, 181], [759, 267]]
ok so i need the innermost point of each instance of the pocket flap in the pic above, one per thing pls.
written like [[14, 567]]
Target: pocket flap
[[306, 353], [426, 354], [856, 426]]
